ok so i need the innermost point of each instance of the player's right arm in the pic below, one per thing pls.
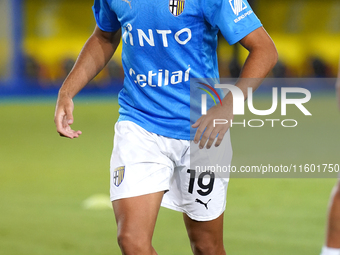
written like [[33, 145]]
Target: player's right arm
[[95, 54]]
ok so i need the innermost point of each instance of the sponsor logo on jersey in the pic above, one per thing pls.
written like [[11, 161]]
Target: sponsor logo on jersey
[[161, 78], [118, 175], [237, 6], [176, 7], [241, 17], [202, 203], [152, 37]]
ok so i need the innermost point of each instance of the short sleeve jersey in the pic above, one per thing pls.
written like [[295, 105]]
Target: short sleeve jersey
[[165, 44]]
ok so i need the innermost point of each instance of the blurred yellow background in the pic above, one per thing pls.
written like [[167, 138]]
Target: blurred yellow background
[[301, 29], [5, 36], [55, 31]]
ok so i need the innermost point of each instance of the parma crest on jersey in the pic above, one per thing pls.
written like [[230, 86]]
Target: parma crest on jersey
[[176, 7]]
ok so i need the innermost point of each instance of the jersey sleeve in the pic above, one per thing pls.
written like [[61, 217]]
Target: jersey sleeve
[[234, 18], [106, 19]]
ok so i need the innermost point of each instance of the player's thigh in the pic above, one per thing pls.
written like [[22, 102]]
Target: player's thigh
[[205, 236], [136, 216], [204, 229]]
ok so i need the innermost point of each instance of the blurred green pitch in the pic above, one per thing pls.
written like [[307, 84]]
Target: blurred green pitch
[[45, 178]]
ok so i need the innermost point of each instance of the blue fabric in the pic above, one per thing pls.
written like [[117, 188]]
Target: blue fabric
[[163, 48]]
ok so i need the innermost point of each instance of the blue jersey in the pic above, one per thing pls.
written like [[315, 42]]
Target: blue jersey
[[165, 44]]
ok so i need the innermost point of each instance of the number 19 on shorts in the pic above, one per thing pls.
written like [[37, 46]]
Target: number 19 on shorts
[[205, 182]]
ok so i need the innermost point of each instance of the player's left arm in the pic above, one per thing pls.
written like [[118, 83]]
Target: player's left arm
[[262, 54], [261, 59]]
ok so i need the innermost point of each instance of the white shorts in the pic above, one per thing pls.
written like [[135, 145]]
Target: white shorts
[[143, 162]]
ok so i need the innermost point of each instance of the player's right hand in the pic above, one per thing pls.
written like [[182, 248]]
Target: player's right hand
[[63, 117]]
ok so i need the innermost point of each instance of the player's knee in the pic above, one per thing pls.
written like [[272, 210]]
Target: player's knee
[[133, 244], [123, 241], [207, 247]]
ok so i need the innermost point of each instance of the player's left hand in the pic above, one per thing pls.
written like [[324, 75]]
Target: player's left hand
[[205, 125]]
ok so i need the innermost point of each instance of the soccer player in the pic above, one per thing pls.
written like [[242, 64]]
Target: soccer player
[[332, 246], [166, 44]]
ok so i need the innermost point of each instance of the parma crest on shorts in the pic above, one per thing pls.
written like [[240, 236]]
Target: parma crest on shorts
[[176, 7], [118, 175]]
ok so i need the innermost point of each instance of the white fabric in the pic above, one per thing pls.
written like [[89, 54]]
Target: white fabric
[[155, 163]]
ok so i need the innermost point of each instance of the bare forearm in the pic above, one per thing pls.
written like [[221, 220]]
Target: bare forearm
[[97, 51], [257, 66], [95, 54], [259, 63]]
